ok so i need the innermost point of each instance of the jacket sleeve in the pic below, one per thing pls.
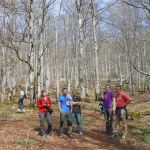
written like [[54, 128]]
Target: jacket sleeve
[[49, 102], [39, 104]]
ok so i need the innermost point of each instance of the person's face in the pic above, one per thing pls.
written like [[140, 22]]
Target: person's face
[[44, 94], [118, 89], [107, 88], [65, 92], [74, 93]]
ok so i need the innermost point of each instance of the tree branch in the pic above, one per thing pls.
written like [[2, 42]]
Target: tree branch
[[17, 53], [140, 71], [144, 5]]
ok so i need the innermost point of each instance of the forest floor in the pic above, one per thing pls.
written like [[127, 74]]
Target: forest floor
[[19, 131]]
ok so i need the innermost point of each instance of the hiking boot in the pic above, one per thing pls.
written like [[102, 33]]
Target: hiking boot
[[42, 133], [51, 133], [123, 136], [113, 135], [61, 135], [70, 135], [18, 110], [80, 133], [43, 136]]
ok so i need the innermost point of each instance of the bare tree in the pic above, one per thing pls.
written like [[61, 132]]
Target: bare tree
[[95, 47], [79, 4]]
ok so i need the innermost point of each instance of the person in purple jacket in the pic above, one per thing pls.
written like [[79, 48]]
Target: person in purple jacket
[[109, 107]]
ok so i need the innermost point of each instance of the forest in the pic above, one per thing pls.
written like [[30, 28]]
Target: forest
[[77, 44]]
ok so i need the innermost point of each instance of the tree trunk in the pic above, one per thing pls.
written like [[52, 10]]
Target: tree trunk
[[81, 52], [31, 56], [56, 54], [95, 46]]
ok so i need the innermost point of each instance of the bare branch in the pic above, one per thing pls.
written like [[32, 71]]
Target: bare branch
[[140, 71], [17, 53], [131, 4]]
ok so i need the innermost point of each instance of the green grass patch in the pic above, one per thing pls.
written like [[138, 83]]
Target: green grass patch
[[27, 142], [145, 132], [8, 106], [144, 136], [5, 114], [148, 147]]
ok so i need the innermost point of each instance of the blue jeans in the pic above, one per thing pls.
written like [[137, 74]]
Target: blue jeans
[[78, 120]]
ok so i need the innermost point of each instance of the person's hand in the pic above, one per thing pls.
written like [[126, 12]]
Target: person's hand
[[45, 104], [113, 111]]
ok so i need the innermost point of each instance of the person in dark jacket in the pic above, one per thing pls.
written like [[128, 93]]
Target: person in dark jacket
[[76, 111], [44, 103], [20, 101]]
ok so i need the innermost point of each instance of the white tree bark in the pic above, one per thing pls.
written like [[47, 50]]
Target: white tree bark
[[31, 56], [95, 46], [3, 76], [40, 65], [56, 64], [81, 52]]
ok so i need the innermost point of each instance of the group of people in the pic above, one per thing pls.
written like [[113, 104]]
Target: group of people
[[114, 104], [115, 111], [69, 107]]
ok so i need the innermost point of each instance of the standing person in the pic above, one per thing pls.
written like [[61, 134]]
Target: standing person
[[122, 100], [109, 107], [44, 103], [65, 108], [20, 101], [76, 111]]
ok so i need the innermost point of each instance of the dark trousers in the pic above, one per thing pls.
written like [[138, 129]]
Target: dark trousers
[[20, 103], [109, 119], [43, 116], [67, 117]]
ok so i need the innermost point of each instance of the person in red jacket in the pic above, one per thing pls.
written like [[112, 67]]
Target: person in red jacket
[[44, 103]]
